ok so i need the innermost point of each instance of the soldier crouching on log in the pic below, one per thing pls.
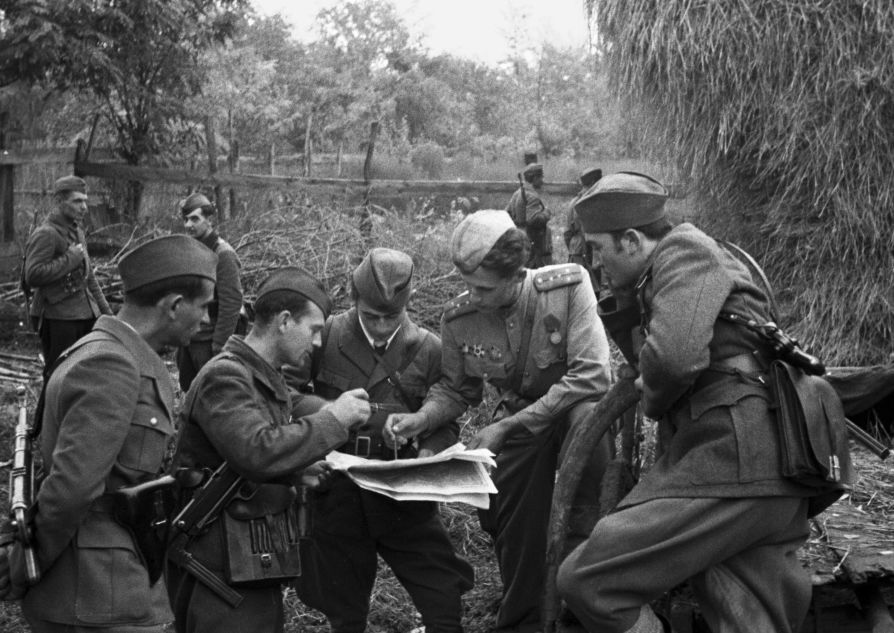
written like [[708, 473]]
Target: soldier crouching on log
[[532, 335], [717, 507], [231, 557], [106, 425]]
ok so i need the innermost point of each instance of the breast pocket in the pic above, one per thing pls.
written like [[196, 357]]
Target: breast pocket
[[148, 436], [485, 369], [329, 384]]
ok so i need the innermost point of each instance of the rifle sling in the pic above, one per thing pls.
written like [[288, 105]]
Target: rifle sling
[[521, 358]]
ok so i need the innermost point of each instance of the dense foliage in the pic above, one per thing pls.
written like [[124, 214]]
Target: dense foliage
[[782, 115]]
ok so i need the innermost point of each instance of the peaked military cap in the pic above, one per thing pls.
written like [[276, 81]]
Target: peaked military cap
[[196, 201], [166, 257], [69, 183], [474, 237], [298, 281], [383, 279], [623, 200]]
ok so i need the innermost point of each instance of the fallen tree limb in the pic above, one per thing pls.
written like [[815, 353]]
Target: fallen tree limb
[[584, 438]]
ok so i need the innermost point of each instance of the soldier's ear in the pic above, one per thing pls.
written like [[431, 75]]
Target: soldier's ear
[[170, 303], [632, 241]]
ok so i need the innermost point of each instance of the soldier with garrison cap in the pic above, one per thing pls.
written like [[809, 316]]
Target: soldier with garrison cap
[[106, 425], [377, 347], [239, 411], [715, 508], [224, 312], [67, 298], [530, 214], [532, 335]]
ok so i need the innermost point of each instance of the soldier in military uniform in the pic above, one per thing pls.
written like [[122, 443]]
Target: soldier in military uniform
[[67, 298], [375, 346], [530, 334], [530, 214], [579, 252], [715, 507], [106, 425], [239, 411], [197, 213]]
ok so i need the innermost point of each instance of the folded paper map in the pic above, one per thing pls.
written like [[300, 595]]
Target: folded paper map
[[453, 475]]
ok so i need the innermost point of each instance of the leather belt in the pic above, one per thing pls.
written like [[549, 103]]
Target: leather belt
[[748, 367]]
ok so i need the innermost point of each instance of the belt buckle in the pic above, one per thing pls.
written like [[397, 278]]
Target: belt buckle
[[362, 440]]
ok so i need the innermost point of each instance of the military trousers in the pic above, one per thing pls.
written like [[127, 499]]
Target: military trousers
[[57, 335], [518, 517], [352, 527], [197, 609], [190, 359], [739, 554]]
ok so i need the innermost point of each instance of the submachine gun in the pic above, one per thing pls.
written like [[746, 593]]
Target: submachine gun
[[22, 488]]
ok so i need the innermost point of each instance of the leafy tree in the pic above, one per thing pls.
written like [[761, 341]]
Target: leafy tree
[[140, 58]]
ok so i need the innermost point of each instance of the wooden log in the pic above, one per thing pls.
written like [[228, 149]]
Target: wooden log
[[583, 440]]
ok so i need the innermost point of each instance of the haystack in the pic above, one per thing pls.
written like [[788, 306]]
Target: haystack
[[781, 116]]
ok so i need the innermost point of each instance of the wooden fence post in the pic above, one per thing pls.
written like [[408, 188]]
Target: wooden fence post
[[7, 182], [366, 217], [211, 142], [233, 163]]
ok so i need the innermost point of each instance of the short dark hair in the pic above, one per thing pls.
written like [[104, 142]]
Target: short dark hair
[[653, 230], [190, 286], [509, 254], [272, 303]]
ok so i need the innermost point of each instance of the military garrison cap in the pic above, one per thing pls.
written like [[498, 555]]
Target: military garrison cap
[[383, 279], [618, 201], [166, 257], [196, 201], [474, 237], [298, 281], [69, 183]]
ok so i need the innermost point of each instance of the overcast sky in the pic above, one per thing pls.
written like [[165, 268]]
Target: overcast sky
[[475, 29]]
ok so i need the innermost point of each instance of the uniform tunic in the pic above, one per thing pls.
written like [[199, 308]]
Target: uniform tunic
[[566, 369], [533, 218], [223, 313], [239, 410], [353, 526], [695, 512], [106, 425], [67, 298]]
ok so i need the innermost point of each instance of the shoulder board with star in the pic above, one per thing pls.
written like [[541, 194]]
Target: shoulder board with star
[[557, 276], [458, 306]]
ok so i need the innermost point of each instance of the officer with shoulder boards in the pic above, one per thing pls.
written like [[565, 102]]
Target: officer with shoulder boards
[[530, 334]]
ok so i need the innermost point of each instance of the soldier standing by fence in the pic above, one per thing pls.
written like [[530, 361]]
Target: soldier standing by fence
[[197, 212], [106, 425], [579, 252], [532, 335], [67, 298], [530, 214]]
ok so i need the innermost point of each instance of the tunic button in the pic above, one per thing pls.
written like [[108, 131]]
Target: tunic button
[[484, 375], [153, 421]]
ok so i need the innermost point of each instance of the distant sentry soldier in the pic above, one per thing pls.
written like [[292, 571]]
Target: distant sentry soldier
[[198, 214], [531, 214], [106, 426], [579, 252], [67, 298]]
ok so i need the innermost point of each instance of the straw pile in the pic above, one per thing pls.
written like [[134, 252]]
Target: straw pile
[[782, 116]]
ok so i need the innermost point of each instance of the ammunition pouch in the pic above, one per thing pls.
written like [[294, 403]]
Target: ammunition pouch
[[261, 533], [145, 510], [71, 284], [813, 434]]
